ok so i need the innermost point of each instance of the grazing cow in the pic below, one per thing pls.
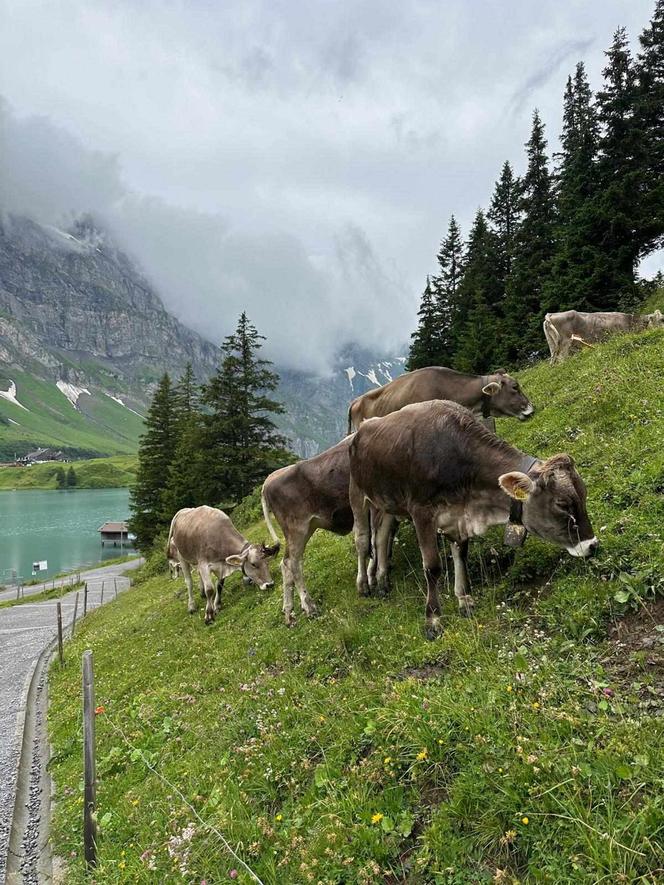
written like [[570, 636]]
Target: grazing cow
[[306, 496], [563, 330], [433, 462], [206, 537], [497, 395]]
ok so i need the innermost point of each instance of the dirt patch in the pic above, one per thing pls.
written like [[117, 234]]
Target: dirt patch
[[635, 658], [435, 670]]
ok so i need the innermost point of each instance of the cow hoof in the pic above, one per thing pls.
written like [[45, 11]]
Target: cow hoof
[[363, 588], [311, 611], [466, 606], [289, 618], [209, 619], [191, 609], [383, 589], [433, 630]]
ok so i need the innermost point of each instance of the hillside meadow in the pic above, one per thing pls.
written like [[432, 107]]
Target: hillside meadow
[[525, 745], [97, 473]]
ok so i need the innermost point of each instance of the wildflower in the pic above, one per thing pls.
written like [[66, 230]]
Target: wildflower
[[233, 874], [135, 802], [279, 817], [387, 760], [508, 688], [422, 755], [122, 865], [525, 821], [535, 706], [376, 818], [99, 710]]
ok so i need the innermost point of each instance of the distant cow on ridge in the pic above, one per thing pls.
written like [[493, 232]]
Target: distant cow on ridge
[[433, 462], [496, 395], [563, 330], [206, 537]]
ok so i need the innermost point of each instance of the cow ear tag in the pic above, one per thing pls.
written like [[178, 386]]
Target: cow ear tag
[[515, 535]]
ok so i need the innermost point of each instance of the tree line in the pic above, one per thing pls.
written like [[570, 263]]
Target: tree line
[[209, 443], [567, 235]]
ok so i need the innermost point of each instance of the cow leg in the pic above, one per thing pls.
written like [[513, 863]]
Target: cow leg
[[217, 596], [427, 538], [306, 602], [291, 570], [461, 581], [362, 536], [382, 552], [206, 580], [288, 583], [186, 571]]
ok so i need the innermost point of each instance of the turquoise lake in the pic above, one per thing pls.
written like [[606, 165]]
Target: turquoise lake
[[58, 526]]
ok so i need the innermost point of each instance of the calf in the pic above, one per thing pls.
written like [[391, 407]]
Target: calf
[[563, 330], [206, 537], [434, 463], [306, 496], [497, 395]]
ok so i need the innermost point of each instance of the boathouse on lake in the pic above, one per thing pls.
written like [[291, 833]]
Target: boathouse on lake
[[116, 533]]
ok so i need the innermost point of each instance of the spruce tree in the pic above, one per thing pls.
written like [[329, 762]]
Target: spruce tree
[[578, 254], [60, 478], [446, 287], [649, 122], [184, 481], [155, 452], [618, 205], [240, 439], [477, 322], [72, 479], [533, 251], [503, 216], [425, 339]]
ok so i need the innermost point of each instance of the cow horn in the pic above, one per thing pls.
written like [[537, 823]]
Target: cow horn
[[270, 551]]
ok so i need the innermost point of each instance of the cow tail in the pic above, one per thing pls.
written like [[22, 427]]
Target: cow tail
[[552, 336], [266, 515], [170, 534], [349, 429]]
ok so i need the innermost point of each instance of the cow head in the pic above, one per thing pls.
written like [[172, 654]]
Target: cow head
[[506, 397], [554, 504], [655, 319], [253, 561]]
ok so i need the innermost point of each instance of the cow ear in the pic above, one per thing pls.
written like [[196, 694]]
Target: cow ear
[[492, 388], [270, 551], [236, 559], [517, 485], [500, 371]]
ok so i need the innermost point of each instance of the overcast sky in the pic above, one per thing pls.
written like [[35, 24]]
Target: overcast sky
[[297, 159]]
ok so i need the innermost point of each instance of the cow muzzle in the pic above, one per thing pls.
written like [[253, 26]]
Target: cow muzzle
[[584, 549], [527, 413], [267, 585]]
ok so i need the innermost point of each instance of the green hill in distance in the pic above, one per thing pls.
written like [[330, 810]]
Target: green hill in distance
[[525, 745]]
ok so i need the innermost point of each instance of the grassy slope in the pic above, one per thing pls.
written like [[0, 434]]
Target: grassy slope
[[349, 749], [104, 427], [98, 473]]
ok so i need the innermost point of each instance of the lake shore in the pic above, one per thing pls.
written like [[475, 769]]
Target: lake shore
[[116, 472]]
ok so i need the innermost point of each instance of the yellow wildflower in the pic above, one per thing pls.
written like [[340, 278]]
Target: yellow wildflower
[[525, 821], [376, 818], [422, 755], [279, 817]]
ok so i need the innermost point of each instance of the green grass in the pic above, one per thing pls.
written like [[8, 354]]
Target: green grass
[[101, 427], [98, 473], [351, 750]]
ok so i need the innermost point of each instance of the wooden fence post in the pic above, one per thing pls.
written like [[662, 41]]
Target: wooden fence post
[[85, 599], [115, 587], [101, 601], [89, 765], [73, 623], [61, 653]]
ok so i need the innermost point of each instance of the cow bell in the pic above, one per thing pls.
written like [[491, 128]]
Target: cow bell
[[515, 534]]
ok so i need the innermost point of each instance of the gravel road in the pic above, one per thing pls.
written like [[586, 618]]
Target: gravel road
[[25, 631]]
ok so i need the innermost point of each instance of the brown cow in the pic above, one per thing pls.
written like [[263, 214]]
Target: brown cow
[[563, 330], [206, 537], [433, 462], [306, 496], [497, 395]]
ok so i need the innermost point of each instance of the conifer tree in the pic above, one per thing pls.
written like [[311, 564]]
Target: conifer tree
[[184, 480], [649, 113], [446, 286], [60, 478], [533, 251], [618, 204], [72, 479], [155, 453], [240, 439], [424, 340], [503, 215], [477, 322]]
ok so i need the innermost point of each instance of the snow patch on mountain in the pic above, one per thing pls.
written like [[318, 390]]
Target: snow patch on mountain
[[350, 373], [371, 375], [10, 396], [116, 399], [71, 391]]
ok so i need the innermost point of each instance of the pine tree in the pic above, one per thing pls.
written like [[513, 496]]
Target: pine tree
[[578, 254], [72, 479], [649, 122], [476, 329], [503, 215], [60, 478], [446, 286], [533, 251], [241, 442], [184, 481], [618, 205], [425, 339], [155, 453]]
